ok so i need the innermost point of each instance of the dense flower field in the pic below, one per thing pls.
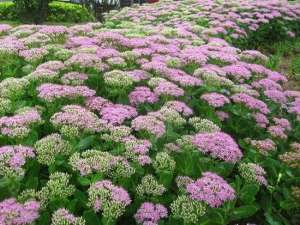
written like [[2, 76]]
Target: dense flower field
[[154, 117]]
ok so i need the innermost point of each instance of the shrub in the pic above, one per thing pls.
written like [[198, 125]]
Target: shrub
[[66, 12], [162, 122], [57, 12], [32, 11], [274, 31], [7, 11]]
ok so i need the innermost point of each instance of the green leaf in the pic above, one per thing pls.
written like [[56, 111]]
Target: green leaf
[[271, 220], [91, 218], [32, 182], [165, 178], [84, 181], [96, 177], [86, 142], [244, 212], [288, 204], [44, 218], [215, 217], [248, 193], [80, 196]]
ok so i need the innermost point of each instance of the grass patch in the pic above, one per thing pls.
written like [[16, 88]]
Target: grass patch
[[284, 57]]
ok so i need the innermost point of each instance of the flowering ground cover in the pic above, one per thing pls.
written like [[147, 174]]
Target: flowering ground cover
[[154, 117]]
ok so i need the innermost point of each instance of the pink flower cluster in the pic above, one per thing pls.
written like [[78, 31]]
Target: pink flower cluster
[[116, 114], [150, 214], [79, 117], [74, 78], [33, 54], [212, 189], [150, 124], [280, 129], [219, 145], [19, 125], [264, 146], [12, 158], [180, 107], [215, 99], [117, 194], [142, 95], [276, 96], [250, 102], [14, 213], [261, 120], [49, 92], [97, 103], [168, 88], [84, 60], [238, 72]]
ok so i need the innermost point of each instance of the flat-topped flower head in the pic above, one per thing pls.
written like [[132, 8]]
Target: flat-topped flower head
[[150, 187], [276, 96], [64, 216], [4, 28], [238, 72], [215, 99], [50, 92], [13, 212], [79, 117], [118, 78], [96, 103], [116, 114], [57, 187], [108, 198], [250, 102], [219, 145], [49, 147], [150, 124], [13, 88], [253, 55], [142, 95], [84, 60], [180, 107], [252, 172], [74, 78], [260, 119], [19, 125], [101, 162], [263, 146], [164, 163], [168, 88], [54, 65], [42, 76], [13, 158], [34, 54], [187, 209], [212, 189], [169, 116], [292, 158], [204, 125], [150, 213], [5, 106]]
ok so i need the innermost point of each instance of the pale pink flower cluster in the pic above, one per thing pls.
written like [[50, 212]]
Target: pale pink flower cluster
[[215, 99], [150, 214], [50, 92], [219, 145], [79, 117], [14, 213], [150, 124], [212, 189]]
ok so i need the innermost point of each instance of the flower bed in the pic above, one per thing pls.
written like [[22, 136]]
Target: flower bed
[[154, 117]]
